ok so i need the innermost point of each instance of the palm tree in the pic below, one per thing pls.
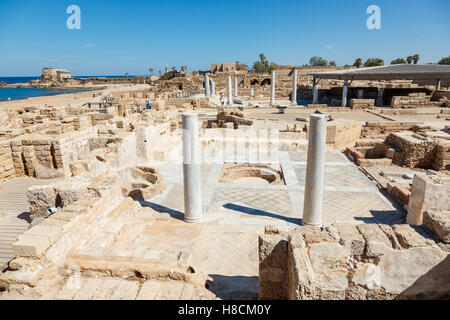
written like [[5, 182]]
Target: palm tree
[[263, 59], [416, 58], [410, 59]]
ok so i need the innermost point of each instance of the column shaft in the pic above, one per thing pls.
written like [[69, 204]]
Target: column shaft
[[191, 168], [229, 91], [345, 93], [207, 88], [315, 168], [294, 88], [272, 89]]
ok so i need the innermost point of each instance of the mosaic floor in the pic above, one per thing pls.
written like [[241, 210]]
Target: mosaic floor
[[350, 196]]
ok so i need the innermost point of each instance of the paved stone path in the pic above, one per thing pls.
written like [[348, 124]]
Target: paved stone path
[[14, 205]]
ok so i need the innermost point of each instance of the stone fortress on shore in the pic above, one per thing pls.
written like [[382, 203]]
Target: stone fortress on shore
[[305, 183]]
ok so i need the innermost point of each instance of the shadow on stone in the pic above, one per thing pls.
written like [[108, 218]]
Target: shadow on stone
[[161, 209], [233, 287], [433, 285], [25, 216], [256, 212], [389, 217]]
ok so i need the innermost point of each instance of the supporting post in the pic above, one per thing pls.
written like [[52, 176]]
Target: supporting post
[[207, 88], [345, 93], [294, 87], [252, 93], [380, 100], [230, 95], [315, 168], [272, 89], [213, 88], [315, 91], [438, 85], [191, 168], [235, 86]]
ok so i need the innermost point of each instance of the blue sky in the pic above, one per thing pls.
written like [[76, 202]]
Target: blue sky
[[132, 36]]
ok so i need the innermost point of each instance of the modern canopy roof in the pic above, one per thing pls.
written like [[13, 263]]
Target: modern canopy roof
[[391, 72]]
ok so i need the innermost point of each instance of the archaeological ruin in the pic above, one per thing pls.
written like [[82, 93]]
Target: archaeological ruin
[[303, 183]]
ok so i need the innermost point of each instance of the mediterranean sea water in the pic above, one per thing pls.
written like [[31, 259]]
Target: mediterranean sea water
[[24, 93]]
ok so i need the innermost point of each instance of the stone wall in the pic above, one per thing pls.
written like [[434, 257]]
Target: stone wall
[[345, 261], [412, 150], [442, 160], [342, 133], [362, 103], [413, 100], [7, 169]]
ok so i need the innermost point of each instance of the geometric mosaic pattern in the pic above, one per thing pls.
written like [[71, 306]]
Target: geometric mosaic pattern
[[335, 176], [271, 201], [349, 196]]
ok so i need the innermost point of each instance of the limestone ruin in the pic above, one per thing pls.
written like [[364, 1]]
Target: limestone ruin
[[192, 198]]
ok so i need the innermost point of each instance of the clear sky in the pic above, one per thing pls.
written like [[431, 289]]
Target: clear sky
[[132, 36]]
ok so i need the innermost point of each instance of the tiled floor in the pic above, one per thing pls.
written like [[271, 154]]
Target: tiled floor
[[350, 196]]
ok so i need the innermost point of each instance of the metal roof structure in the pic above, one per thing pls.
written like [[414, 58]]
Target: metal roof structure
[[391, 72]]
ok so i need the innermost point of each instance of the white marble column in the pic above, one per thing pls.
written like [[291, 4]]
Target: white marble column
[[294, 87], [213, 88], [345, 93], [438, 85], [315, 95], [191, 168], [315, 170], [229, 91], [207, 88], [272, 89], [252, 93], [235, 86]]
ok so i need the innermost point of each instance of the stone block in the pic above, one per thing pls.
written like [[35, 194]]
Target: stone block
[[351, 238], [31, 245], [438, 221], [412, 236]]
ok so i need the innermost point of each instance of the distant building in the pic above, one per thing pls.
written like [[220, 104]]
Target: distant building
[[223, 67], [51, 74]]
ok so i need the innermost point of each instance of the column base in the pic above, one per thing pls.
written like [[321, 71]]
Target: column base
[[311, 224], [188, 220]]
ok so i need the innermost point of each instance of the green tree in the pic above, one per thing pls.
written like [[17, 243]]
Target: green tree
[[358, 63], [416, 58], [409, 59], [318, 62], [374, 62], [263, 65], [445, 60], [332, 64], [398, 61]]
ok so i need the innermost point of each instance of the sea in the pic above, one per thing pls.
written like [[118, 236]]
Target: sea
[[24, 93]]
